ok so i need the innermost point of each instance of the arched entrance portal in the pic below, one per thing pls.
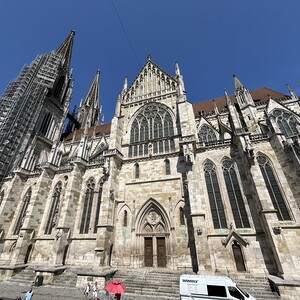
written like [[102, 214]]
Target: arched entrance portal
[[153, 235]]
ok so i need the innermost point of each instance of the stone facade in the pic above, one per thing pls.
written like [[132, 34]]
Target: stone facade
[[210, 187]]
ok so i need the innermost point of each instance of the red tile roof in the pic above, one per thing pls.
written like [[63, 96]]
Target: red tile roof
[[100, 129], [258, 95]]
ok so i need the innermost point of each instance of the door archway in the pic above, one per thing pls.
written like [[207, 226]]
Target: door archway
[[238, 257], [153, 235]]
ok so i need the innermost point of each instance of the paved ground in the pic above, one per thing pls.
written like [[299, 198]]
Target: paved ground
[[9, 291]]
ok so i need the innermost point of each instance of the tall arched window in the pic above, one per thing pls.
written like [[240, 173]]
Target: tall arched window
[[235, 195], [22, 213], [46, 123], [181, 216], [99, 201], [154, 121], [87, 206], [273, 188], [214, 195], [286, 122], [125, 218], [52, 220], [206, 134], [137, 170], [167, 167]]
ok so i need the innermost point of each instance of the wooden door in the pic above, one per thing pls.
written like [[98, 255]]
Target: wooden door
[[161, 252], [148, 252], [238, 257]]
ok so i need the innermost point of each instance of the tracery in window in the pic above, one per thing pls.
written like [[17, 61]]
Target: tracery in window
[[286, 122], [87, 207], [214, 195], [153, 122], [206, 134], [22, 213], [273, 188], [52, 220], [235, 195]]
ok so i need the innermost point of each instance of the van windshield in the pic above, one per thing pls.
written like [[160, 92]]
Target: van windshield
[[246, 294], [234, 292]]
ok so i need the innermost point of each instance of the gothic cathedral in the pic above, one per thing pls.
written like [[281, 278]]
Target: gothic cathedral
[[210, 187]]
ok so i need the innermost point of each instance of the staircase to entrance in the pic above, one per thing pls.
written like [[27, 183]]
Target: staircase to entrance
[[165, 283]]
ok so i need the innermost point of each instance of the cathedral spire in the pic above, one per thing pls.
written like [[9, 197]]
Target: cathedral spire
[[180, 84], [125, 85], [89, 110], [242, 94], [237, 84], [65, 50], [291, 91]]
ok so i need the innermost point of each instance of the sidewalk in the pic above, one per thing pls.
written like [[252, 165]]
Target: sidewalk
[[10, 290]]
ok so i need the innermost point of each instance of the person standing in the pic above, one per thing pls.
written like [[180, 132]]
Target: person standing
[[29, 294], [87, 290], [95, 290]]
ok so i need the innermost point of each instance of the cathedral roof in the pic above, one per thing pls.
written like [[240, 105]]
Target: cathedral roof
[[97, 130], [260, 95]]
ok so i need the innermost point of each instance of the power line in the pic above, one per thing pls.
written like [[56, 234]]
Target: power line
[[128, 39]]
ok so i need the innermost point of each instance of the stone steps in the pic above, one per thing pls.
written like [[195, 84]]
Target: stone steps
[[25, 277], [150, 283], [258, 287], [67, 279]]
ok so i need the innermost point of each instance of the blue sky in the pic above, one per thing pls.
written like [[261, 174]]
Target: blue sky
[[258, 40]]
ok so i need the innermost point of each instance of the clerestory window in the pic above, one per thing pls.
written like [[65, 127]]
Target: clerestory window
[[273, 188], [286, 122], [235, 195], [206, 134], [214, 195]]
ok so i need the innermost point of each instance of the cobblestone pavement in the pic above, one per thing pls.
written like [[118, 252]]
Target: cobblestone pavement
[[10, 290]]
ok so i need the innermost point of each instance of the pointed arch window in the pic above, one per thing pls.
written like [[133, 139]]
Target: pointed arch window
[[125, 220], [22, 213], [137, 170], [99, 201], [59, 87], [46, 123], [214, 195], [167, 167], [273, 188], [286, 122], [235, 195], [52, 220], [181, 216], [87, 206], [206, 134], [154, 121]]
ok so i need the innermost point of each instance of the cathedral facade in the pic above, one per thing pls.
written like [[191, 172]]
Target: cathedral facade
[[210, 187]]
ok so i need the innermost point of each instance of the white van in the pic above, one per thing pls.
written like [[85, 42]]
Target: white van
[[194, 287]]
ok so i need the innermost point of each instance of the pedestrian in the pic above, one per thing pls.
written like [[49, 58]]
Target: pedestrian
[[29, 294], [87, 290], [18, 297], [118, 296], [95, 290]]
